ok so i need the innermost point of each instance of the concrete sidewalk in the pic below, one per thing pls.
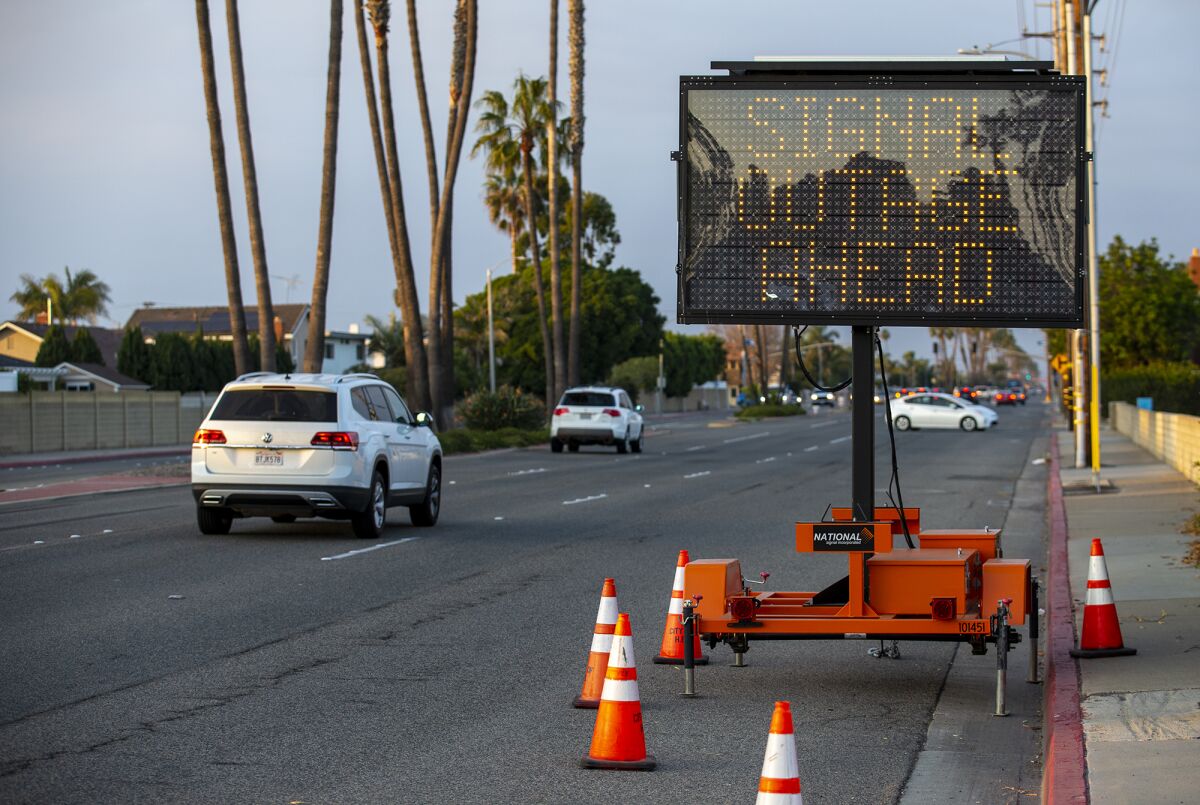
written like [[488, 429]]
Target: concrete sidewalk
[[23, 460], [1140, 714]]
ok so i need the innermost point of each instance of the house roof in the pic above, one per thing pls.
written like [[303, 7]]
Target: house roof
[[213, 319], [104, 373], [7, 362], [109, 341]]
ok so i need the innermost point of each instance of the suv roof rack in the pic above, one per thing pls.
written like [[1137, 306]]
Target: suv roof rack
[[356, 376]]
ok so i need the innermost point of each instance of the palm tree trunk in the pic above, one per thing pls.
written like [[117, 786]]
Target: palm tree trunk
[[575, 39], [516, 252], [406, 292], [462, 81], [314, 350], [364, 57], [560, 357], [434, 333], [233, 282], [535, 265], [258, 249]]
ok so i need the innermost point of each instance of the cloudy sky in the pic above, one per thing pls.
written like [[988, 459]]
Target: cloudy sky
[[104, 152]]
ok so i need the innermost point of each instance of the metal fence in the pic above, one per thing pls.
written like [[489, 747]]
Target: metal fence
[[47, 421]]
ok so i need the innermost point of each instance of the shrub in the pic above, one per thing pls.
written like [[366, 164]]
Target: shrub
[[506, 408], [635, 375], [468, 440], [1175, 387], [769, 409]]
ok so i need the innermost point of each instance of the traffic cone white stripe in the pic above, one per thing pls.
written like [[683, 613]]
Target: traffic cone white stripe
[[678, 585], [620, 690], [1097, 570], [601, 643], [780, 759], [607, 613], [676, 607], [765, 798], [621, 655], [1100, 596]]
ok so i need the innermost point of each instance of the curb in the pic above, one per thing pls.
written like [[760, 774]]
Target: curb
[[1065, 776], [178, 450]]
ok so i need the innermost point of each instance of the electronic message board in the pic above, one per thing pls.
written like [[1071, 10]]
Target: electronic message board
[[956, 200]]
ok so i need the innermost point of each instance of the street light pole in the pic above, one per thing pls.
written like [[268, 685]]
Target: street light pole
[[1093, 268], [491, 337]]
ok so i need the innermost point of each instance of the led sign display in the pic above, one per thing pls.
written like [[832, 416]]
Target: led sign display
[[908, 202]]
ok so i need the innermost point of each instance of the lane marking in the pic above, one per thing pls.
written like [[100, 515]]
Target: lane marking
[[747, 438], [584, 500], [698, 474], [692, 449], [766, 460], [810, 449], [528, 472], [822, 424], [841, 439], [348, 554]]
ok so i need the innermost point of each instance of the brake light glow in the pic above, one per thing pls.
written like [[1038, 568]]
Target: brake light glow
[[337, 440], [561, 410], [204, 436], [611, 412]]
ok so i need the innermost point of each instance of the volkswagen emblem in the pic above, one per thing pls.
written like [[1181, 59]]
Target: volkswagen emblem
[[266, 437]]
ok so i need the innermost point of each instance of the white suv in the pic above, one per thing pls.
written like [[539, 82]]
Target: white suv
[[596, 415], [297, 445]]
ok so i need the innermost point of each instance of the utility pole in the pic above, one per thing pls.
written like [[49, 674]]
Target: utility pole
[[661, 382]]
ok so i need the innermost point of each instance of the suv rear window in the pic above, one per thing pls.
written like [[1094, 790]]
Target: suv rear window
[[596, 398], [277, 405]]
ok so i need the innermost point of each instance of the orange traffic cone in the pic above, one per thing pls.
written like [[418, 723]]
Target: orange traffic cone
[[597, 664], [780, 780], [1101, 630], [618, 741], [672, 641]]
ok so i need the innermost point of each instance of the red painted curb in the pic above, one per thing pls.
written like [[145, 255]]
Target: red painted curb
[[161, 452], [1065, 776], [89, 486]]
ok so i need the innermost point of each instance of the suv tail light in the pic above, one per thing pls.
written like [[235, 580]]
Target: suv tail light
[[561, 410], [611, 412], [204, 436], [337, 440]]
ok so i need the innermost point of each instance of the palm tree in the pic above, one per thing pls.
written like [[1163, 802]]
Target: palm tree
[[387, 338], [233, 282], [406, 285], [503, 199], [82, 296], [258, 250], [575, 41], [462, 71], [314, 350], [552, 160], [518, 127]]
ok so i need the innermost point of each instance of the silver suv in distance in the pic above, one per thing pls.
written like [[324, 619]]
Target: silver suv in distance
[[301, 445]]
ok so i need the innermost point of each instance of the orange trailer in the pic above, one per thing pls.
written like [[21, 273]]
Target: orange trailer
[[956, 586]]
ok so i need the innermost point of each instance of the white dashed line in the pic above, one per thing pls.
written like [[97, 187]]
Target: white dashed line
[[765, 460], [841, 439], [748, 438], [692, 449], [348, 554], [810, 449], [822, 425], [698, 474], [528, 472], [584, 500]]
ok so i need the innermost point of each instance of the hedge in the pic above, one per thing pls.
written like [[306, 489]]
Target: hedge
[[1174, 387]]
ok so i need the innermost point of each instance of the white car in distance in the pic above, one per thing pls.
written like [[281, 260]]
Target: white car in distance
[[596, 415], [304, 445], [936, 410]]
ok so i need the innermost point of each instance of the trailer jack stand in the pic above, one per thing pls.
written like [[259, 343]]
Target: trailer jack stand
[[740, 646], [1002, 642], [891, 652]]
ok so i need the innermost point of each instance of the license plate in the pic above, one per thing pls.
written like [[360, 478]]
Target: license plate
[[584, 416], [268, 458]]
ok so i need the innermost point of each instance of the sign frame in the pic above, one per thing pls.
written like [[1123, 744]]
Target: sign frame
[[787, 76]]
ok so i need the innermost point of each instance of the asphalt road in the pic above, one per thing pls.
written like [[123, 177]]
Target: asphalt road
[[145, 662]]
